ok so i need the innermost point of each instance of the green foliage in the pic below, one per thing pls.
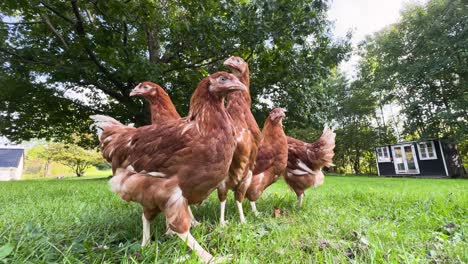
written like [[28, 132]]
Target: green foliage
[[62, 61], [348, 219], [351, 109], [422, 62], [75, 157]]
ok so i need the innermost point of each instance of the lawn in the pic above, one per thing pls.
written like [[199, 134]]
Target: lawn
[[348, 219]]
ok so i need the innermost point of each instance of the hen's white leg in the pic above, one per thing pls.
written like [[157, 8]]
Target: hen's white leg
[[254, 208], [222, 207], [193, 244], [299, 199], [194, 221], [146, 231], [241, 212]]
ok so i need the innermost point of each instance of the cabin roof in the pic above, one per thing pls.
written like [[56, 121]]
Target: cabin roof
[[407, 142], [10, 157]]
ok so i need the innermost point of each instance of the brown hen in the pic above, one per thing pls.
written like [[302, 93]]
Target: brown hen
[[176, 163], [248, 137], [272, 157], [305, 162], [162, 108]]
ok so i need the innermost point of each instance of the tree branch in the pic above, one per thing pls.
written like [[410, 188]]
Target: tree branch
[[57, 13], [196, 64], [125, 40], [21, 23], [250, 55], [90, 16], [81, 32], [26, 59], [111, 93], [51, 27]]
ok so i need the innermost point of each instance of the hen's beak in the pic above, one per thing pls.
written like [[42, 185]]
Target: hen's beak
[[283, 112], [237, 85], [136, 91], [229, 62]]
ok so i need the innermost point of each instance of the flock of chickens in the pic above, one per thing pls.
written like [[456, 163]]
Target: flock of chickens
[[175, 162]]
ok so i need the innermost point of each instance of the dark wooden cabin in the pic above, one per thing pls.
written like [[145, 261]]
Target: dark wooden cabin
[[429, 158]]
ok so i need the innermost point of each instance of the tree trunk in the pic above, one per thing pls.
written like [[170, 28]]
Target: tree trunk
[[356, 163], [357, 169], [152, 43], [47, 168], [79, 172]]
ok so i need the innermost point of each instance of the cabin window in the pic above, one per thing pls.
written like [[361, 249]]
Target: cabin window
[[383, 155], [427, 150]]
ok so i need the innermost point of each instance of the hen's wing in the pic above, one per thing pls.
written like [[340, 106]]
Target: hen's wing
[[149, 148], [297, 153]]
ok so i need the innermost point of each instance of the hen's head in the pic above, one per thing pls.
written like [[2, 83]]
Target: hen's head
[[222, 83], [147, 90], [276, 115], [212, 90], [236, 64]]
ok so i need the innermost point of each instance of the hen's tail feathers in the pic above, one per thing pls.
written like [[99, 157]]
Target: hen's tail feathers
[[321, 151], [102, 122]]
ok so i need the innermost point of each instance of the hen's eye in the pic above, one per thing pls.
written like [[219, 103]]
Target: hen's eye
[[145, 87], [223, 79], [237, 60]]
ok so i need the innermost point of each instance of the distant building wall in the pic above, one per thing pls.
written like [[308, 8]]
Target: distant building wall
[[7, 174], [19, 170]]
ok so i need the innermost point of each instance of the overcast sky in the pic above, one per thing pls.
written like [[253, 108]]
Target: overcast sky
[[363, 17]]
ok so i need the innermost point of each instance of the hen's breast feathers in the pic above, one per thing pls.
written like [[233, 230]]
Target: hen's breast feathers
[[248, 135], [265, 158]]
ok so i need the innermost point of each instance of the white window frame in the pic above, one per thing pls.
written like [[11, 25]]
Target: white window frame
[[427, 152], [383, 158]]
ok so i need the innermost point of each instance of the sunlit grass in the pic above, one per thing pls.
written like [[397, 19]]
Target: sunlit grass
[[348, 219]]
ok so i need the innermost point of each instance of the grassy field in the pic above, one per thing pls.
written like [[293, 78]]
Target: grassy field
[[348, 219]]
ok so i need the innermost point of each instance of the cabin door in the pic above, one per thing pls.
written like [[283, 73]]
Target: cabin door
[[404, 159]]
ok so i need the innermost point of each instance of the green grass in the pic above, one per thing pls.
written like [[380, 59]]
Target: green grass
[[348, 219]]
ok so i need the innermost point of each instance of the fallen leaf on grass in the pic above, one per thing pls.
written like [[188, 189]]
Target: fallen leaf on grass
[[306, 247], [136, 256], [364, 241], [450, 228], [350, 253], [100, 248], [323, 243], [277, 212]]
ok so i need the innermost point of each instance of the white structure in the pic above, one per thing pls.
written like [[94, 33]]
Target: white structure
[[11, 163]]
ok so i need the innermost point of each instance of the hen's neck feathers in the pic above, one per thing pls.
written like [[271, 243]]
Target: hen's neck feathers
[[162, 108], [207, 110], [241, 98]]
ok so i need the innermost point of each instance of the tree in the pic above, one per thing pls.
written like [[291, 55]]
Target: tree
[[65, 60], [355, 105], [422, 62], [349, 107], [41, 152], [72, 156]]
